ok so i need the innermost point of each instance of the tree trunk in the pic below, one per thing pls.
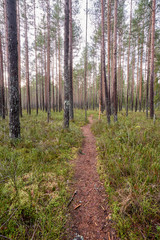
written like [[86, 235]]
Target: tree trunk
[[128, 59], [104, 65], [2, 95], [115, 62], [85, 65], [48, 62], [70, 62], [14, 123], [35, 33], [136, 103], [27, 60], [152, 61], [148, 71], [66, 69], [19, 57], [132, 88]]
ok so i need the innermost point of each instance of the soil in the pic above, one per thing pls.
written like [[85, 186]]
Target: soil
[[89, 211]]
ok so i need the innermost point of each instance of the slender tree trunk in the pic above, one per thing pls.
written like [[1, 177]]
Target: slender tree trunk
[[35, 33], [109, 40], [104, 65], [148, 72], [152, 60], [128, 59], [60, 79], [66, 68], [71, 61], [27, 60], [48, 62], [53, 101], [2, 95], [141, 76], [19, 57], [115, 62], [132, 88], [14, 123], [86, 63], [136, 103]]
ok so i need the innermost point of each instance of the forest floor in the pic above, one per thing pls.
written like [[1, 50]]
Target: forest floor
[[90, 214]]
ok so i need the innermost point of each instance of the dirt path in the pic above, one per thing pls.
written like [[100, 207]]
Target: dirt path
[[91, 219]]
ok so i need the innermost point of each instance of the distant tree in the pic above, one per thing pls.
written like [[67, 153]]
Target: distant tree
[[14, 123]]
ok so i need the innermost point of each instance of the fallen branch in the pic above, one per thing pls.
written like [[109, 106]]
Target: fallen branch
[[9, 218], [74, 194]]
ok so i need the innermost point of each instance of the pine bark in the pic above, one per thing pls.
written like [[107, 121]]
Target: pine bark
[[2, 92], [148, 72], [48, 62], [104, 65], [66, 67], [71, 61], [85, 65], [152, 61], [115, 63], [27, 59], [128, 60], [19, 57], [14, 123], [35, 35]]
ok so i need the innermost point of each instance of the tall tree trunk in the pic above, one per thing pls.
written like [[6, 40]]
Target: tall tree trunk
[[148, 71], [136, 103], [104, 65], [132, 88], [14, 123], [19, 57], [2, 95], [48, 62], [27, 59], [66, 69], [115, 62], [70, 62], [152, 60], [128, 59], [141, 75], [35, 33], [109, 39], [86, 63], [60, 79]]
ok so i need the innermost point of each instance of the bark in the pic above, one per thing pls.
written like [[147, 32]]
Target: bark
[[148, 72], [70, 61], [60, 79], [152, 61], [48, 62], [109, 79], [132, 88], [86, 63], [104, 65], [14, 123], [136, 103], [128, 59], [35, 34], [115, 62], [19, 57], [27, 59], [2, 94], [66, 68], [141, 76]]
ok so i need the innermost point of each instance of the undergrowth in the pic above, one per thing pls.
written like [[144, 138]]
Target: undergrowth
[[35, 174], [129, 164]]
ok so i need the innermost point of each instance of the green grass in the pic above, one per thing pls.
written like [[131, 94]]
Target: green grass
[[129, 164], [35, 174]]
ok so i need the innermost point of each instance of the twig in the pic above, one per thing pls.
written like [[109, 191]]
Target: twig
[[9, 218], [77, 206], [5, 237], [74, 194]]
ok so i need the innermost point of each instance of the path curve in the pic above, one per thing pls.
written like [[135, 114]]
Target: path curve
[[90, 216]]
